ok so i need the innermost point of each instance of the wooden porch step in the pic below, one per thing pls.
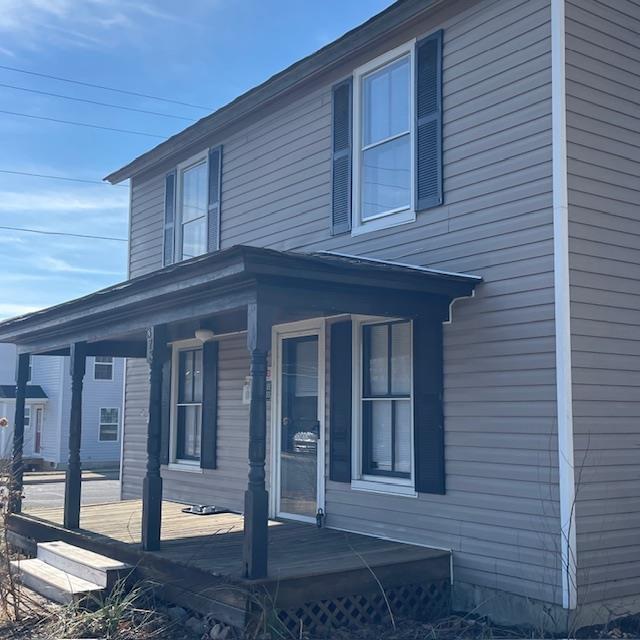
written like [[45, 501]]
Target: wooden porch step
[[86, 565], [53, 583]]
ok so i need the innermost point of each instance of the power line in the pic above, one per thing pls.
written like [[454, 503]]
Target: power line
[[61, 233], [99, 86], [84, 124], [43, 175], [102, 104]]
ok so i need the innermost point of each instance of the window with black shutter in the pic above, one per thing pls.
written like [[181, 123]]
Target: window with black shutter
[[387, 139]]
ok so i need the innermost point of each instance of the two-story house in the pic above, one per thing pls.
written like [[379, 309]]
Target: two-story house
[[403, 273], [48, 406]]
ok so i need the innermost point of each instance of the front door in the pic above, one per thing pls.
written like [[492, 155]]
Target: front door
[[299, 426], [37, 443]]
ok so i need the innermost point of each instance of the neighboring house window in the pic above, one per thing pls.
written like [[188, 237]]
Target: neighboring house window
[[103, 368], [384, 141], [386, 406], [192, 208], [188, 403], [30, 373], [109, 421], [27, 416]]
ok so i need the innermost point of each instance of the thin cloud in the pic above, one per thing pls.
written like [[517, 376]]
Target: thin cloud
[[33, 24], [65, 201], [8, 310], [62, 266]]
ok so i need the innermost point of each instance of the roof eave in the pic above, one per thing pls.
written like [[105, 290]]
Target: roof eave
[[391, 18]]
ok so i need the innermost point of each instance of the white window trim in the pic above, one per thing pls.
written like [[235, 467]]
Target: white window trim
[[104, 364], [199, 158], [100, 423], [175, 463], [27, 409], [403, 216], [360, 481]]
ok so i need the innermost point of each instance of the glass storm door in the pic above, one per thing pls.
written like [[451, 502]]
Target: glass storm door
[[38, 430], [299, 426]]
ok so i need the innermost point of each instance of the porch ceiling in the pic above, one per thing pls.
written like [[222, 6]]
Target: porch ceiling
[[114, 320]]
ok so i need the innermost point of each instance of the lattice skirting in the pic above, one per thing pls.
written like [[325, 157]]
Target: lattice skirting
[[426, 601]]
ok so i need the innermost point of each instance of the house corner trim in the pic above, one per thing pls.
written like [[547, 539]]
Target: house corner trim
[[562, 307]]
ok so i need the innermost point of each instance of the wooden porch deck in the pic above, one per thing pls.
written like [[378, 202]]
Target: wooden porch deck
[[201, 556]]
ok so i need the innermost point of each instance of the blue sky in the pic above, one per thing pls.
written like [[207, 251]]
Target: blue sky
[[203, 52]]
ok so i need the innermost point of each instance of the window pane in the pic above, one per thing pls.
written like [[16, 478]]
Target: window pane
[[402, 442], [189, 431], [381, 435], [104, 359], [108, 432], [194, 192], [401, 358], [103, 371], [386, 102], [27, 416], [386, 177], [197, 376], [109, 416], [194, 239], [377, 367]]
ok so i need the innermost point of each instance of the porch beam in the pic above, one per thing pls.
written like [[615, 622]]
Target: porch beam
[[315, 299], [73, 475], [17, 467], [109, 324], [157, 355], [256, 498], [118, 349]]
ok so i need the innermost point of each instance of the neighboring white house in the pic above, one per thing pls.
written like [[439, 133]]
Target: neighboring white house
[[47, 409]]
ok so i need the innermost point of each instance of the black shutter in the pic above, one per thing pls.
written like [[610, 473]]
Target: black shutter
[[215, 186], [428, 414], [209, 436], [340, 402], [169, 218], [341, 158], [165, 419], [429, 122]]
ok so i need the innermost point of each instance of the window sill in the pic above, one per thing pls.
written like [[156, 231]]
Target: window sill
[[189, 467], [379, 486], [384, 222]]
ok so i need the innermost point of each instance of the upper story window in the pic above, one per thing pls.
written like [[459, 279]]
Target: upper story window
[[384, 158], [387, 139], [192, 209], [103, 368]]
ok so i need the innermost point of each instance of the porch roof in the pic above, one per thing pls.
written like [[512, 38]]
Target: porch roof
[[221, 283], [33, 392]]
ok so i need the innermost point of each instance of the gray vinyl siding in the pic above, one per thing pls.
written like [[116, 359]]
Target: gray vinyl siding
[[223, 486], [500, 512], [603, 103]]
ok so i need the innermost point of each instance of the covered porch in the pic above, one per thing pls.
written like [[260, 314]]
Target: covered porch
[[248, 292]]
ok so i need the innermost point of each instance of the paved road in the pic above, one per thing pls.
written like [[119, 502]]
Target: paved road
[[51, 494]]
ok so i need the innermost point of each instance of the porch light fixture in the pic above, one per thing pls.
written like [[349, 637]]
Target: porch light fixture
[[204, 335]]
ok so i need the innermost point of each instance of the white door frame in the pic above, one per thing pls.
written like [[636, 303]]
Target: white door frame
[[313, 327]]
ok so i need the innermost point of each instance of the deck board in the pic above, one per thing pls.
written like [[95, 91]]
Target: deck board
[[214, 543]]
